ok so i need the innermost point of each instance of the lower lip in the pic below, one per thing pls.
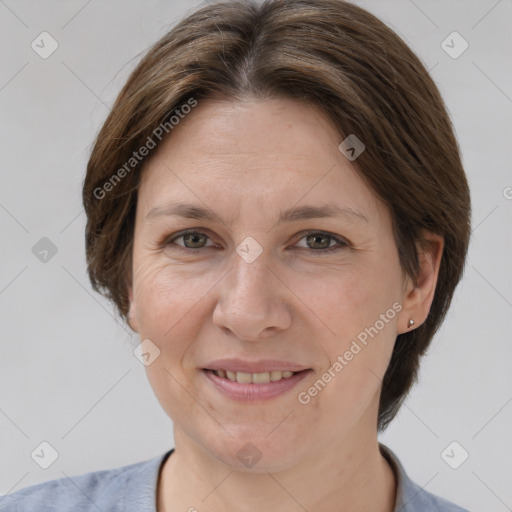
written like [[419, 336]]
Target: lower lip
[[251, 392]]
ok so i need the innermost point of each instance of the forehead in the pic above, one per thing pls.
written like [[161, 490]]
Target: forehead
[[253, 153]]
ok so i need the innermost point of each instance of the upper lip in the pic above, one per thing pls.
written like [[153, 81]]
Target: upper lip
[[260, 366]]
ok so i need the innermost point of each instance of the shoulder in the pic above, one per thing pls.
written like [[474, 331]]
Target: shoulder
[[97, 490], [419, 500], [413, 498]]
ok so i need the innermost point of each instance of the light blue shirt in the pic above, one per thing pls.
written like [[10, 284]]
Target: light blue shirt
[[132, 488]]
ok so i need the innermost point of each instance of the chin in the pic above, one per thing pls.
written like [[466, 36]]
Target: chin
[[256, 452]]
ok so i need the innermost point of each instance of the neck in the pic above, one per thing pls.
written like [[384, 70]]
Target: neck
[[351, 476]]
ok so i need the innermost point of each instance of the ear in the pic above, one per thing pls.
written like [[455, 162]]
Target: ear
[[132, 311], [418, 297]]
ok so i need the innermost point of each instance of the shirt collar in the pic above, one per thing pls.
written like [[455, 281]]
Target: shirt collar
[[406, 489], [141, 485]]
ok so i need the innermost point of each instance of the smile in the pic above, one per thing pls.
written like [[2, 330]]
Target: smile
[[254, 386], [255, 378]]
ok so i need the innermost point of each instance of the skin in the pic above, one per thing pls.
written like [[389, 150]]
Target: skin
[[246, 161]]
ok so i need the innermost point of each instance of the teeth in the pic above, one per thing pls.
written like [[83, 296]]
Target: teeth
[[262, 378], [255, 378], [245, 378]]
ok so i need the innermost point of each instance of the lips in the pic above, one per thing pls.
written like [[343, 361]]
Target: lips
[[254, 391], [245, 380]]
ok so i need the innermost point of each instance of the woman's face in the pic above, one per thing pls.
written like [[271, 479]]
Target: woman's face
[[268, 276]]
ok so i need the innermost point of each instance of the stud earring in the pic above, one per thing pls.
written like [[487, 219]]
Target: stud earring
[[411, 323]]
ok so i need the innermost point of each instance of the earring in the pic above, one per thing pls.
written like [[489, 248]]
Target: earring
[[411, 323]]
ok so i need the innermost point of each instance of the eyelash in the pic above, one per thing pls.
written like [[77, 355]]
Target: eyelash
[[167, 242]]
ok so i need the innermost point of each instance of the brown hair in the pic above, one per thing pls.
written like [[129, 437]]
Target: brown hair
[[329, 53]]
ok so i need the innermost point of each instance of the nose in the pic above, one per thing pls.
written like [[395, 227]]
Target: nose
[[253, 302]]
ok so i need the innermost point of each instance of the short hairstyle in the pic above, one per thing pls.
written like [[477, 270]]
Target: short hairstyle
[[327, 53]]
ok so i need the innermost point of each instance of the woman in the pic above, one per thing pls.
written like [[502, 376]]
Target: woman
[[277, 206]]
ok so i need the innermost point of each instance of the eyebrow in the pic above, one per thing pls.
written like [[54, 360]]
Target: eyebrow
[[191, 211]]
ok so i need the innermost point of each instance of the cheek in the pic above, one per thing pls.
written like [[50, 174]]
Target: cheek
[[346, 301], [165, 297], [166, 305], [359, 313]]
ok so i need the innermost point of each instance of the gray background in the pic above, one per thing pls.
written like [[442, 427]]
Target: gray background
[[67, 372]]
